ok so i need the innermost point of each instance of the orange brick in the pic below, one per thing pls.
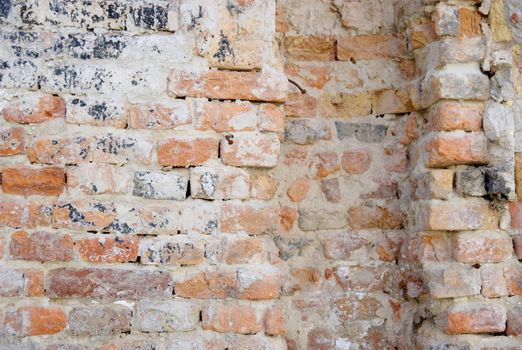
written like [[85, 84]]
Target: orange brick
[[227, 116], [309, 48], [254, 219], [453, 115], [231, 318], [446, 149], [21, 213], [12, 141], [287, 218], [250, 149], [36, 320], [367, 47], [324, 164], [356, 161], [274, 322], [184, 152], [241, 251], [41, 246], [108, 250], [271, 118], [482, 247], [298, 189], [470, 22], [301, 105], [364, 217], [473, 318], [34, 110], [27, 181]]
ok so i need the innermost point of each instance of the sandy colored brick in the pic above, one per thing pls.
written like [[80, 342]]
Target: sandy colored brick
[[254, 218], [452, 115], [250, 149], [12, 141], [482, 247], [225, 318], [367, 47], [34, 109], [473, 318], [309, 48]]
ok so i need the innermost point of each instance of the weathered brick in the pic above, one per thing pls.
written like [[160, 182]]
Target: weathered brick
[[453, 115], [298, 189], [306, 131], [107, 249], [40, 246], [177, 250], [215, 181], [493, 281], [515, 211], [453, 281], [250, 149], [107, 283], [228, 85], [514, 321], [383, 217], [368, 133], [28, 181], [241, 250], [90, 215], [274, 320], [227, 116], [473, 318], [160, 185], [19, 213], [456, 215], [12, 141], [99, 320], [434, 184], [362, 15], [259, 283], [253, 218], [167, 316], [185, 151], [95, 178], [513, 275], [353, 308], [456, 148], [470, 181], [309, 48], [331, 190], [482, 247], [367, 47], [324, 164], [161, 115], [271, 118], [361, 278], [231, 318], [470, 21], [300, 105], [392, 101], [518, 173], [344, 105], [216, 284], [321, 219], [20, 282], [96, 110], [34, 109], [517, 242], [35, 320], [287, 218], [356, 161]]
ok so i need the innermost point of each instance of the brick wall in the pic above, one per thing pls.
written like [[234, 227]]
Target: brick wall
[[260, 174]]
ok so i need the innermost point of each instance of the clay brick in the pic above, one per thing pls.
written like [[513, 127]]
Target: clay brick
[[253, 219], [177, 250], [263, 186], [361, 278], [20, 282], [517, 242], [161, 185], [259, 283], [514, 321], [12, 141], [28, 181], [250, 149], [392, 101], [482, 247], [35, 109], [167, 316], [271, 118], [518, 174], [72, 150], [241, 251], [184, 152], [513, 275], [298, 189], [321, 219], [20, 213], [446, 149], [216, 181], [470, 21], [324, 163], [274, 320], [493, 281], [395, 160], [385, 218], [84, 215], [515, 211], [367, 47], [95, 178], [231, 318], [107, 249], [97, 110], [229, 85], [160, 116], [307, 131], [453, 281], [458, 215], [300, 105], [453, 115], [343, 105], [35, 320], [107, 283], [227, 116], [434, 184], [99, 320], [352, 308], [40, 246], [473, 318], [344, 246], [309, 48], [356, 161], [287, 218]]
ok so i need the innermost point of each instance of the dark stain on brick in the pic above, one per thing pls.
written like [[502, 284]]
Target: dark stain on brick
[[5, 8], [224, 49], [99, 111], [194, 20]]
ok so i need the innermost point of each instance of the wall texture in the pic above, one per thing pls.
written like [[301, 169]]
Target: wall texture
[[260, 174]]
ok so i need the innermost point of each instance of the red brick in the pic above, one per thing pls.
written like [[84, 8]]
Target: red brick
[[41, 246], [259, 284], [515, 211], [107, 283], [184, 152], [456, 148], [300, 105], [341, 247], [35, 320], [513, 275], [356, 161], [84, 215], [274, 320], [361, 278], [241, 251], [215, 284], [473, 318], [324, 164], [229, 85], [309, 74], [250, 149], [225, 318], [107, 249], [389, 217], [35, 110], [254, 219], [287, 217], [12, 141], [367, 47], [453, 115], [298, 189], [309, 48], [517, 241], [20, 213], [271, 118], [27, 181], [482, 247]]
